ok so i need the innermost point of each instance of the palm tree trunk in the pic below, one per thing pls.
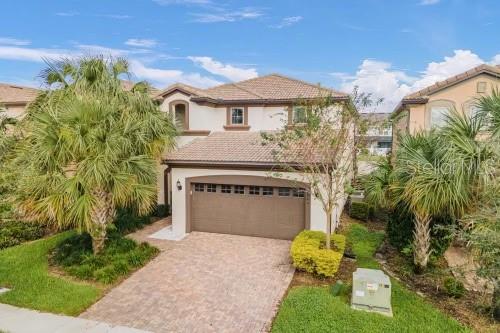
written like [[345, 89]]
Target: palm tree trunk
[[421, 241], [102, 215]]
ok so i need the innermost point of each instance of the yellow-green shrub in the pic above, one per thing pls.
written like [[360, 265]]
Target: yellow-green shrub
[[308, 253]]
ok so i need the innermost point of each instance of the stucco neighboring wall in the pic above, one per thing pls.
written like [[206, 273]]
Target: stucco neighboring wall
[[458, 96], [318, 217], [14, 111]]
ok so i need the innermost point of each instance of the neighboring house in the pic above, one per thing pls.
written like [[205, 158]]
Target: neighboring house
[[14, 99], [378, 137], [426, 108], [220, 177]]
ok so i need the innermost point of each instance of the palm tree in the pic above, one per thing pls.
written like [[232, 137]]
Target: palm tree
[[489, 110], [425, 179], [91, 147]]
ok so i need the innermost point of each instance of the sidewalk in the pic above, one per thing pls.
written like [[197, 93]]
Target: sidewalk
[[19, 320]]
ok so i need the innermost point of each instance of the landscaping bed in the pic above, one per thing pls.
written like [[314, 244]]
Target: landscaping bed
[[470, 309], [60, 274], [310, 307]]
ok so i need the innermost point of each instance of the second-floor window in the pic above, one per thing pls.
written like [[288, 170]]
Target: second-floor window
[[237, 116], [438, 116], [299, 114]]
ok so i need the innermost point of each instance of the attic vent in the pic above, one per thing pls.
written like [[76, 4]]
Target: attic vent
[[481, 87]]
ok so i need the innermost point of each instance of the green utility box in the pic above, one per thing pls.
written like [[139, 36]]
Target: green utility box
[[371, 291]]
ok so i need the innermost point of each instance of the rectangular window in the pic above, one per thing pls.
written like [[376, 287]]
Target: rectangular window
[[225, 188], [438, 115], [239, 189], [266, 190], [299, 114], [237, 116], [254, 190], [211, 188], [284, 191], [298, 192], [199, 187]]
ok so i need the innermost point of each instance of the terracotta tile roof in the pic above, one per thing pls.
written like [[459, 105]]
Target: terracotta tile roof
[[13, 94], [225, 148], [494, 70], [375, 116], [422, 96], [269, 88], [244, 149], [128, 85]]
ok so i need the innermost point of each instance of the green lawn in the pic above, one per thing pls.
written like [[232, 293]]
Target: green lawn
[[24, 269], [314, 309]]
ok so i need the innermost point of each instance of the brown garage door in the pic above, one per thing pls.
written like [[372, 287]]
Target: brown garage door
[[250, 210]]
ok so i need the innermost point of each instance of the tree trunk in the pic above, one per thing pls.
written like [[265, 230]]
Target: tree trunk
[[421, 241], [328, 230], [101, 215]]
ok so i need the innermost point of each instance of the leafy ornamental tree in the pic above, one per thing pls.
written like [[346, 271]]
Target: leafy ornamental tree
[[320, 148], [90, 147]]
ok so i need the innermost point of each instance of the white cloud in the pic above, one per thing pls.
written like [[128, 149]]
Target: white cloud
[[225, 70], [165, 77], [288, 21], [429, 2], [383, 81], [67, 14], [14, 41], [221, 15], [496, 60], [31, 54], [115, 16], [137, 42]]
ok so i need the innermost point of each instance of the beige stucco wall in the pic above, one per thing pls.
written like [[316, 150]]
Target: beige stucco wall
[[318, 216], [14, 111], [459, 96]]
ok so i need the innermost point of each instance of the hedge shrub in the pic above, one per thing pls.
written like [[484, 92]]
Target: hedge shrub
[[128, 221], [359, 210], [309, 253], [16, 232]]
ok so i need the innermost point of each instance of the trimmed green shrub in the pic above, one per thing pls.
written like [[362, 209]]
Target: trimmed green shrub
[[309, 253], [454, 288], [359, 210], [16, 232], [162, 210], [119, 257], [128, 221]]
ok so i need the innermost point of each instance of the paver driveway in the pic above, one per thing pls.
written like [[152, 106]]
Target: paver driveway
[[204, 283]]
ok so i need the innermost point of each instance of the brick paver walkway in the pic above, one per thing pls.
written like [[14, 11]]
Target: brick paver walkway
[[204, 283]]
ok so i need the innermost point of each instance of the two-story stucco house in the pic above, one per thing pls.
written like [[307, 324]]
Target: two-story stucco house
[[378, 137], [220, 177], [426, 108], [14, 99]]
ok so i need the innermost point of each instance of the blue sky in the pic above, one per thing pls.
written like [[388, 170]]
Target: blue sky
[[387, 47]]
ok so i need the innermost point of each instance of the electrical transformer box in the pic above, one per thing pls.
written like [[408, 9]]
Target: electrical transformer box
[[371, 291]]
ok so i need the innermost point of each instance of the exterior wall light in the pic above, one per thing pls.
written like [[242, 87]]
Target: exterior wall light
[[179, 185]]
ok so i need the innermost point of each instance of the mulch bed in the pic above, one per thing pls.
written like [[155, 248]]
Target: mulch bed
[[469, 309]]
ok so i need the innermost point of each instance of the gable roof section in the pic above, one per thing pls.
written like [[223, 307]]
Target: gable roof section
[[14, 94], [273, 88], [422, 96]]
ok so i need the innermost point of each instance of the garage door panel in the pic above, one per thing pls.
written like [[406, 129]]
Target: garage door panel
[[246, 214]]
